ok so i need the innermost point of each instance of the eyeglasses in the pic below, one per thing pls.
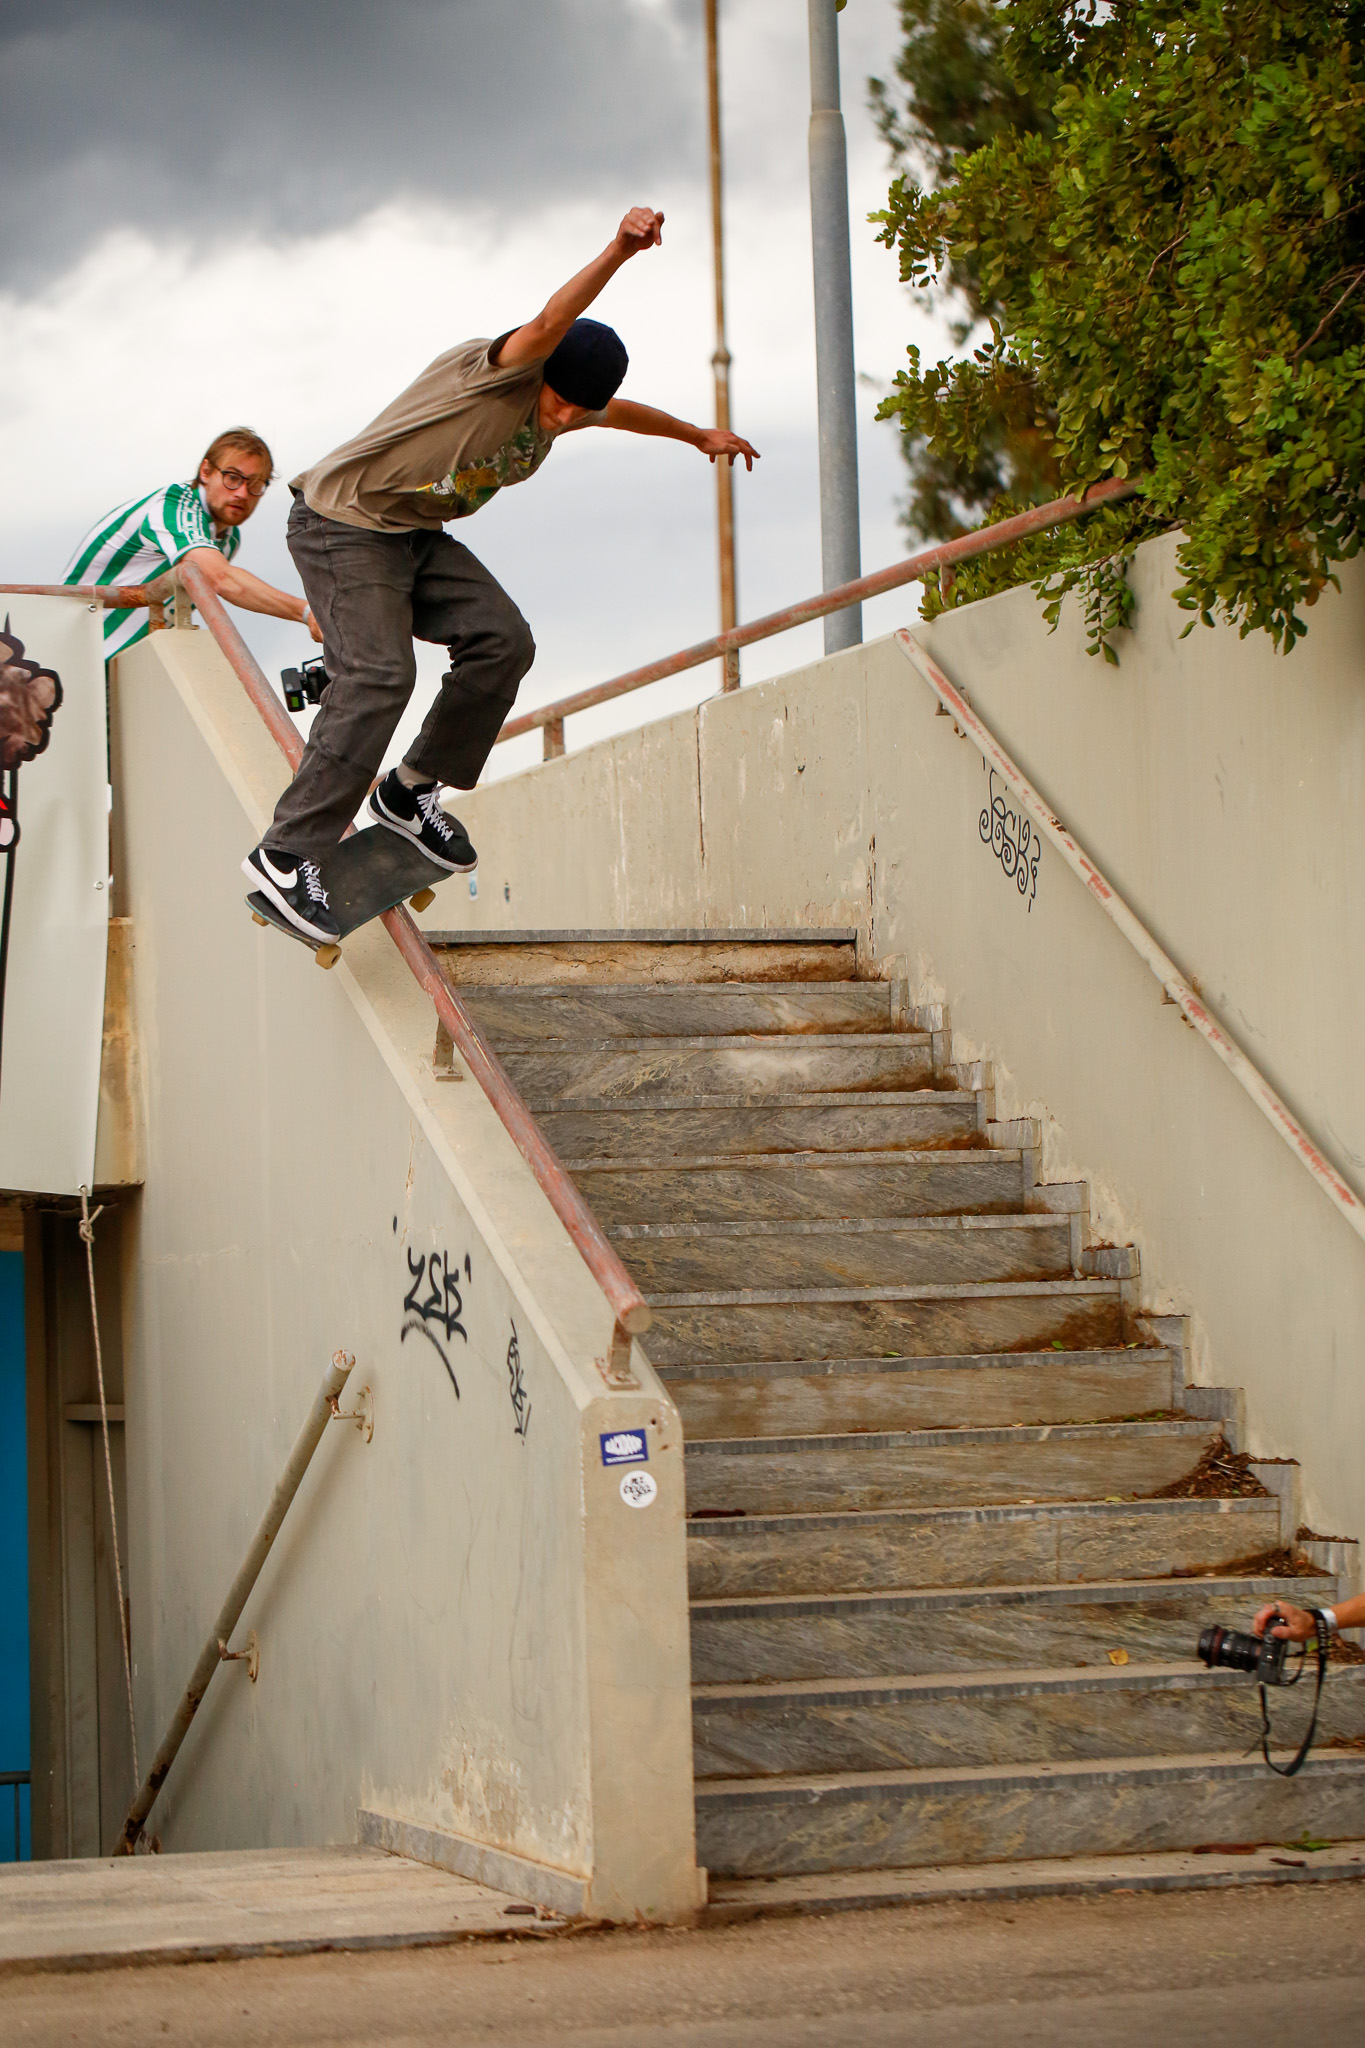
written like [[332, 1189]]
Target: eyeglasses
[[236, 481]]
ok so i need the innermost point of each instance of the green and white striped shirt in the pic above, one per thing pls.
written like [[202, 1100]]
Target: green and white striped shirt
[[139, 541]]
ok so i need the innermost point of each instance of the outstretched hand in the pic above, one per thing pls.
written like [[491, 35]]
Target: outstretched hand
[[716, 444], [642, 228]]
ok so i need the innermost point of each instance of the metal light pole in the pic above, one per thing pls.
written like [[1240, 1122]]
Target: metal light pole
[[840, 549], [720, 361]]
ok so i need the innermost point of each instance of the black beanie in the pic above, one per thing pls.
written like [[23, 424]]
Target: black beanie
[[588, 366]]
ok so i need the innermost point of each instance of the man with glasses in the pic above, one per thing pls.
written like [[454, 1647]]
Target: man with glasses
[[204, 519]]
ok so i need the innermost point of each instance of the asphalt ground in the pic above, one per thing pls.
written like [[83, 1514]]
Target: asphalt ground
[[1230, 1969]]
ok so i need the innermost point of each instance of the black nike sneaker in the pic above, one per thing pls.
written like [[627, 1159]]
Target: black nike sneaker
[[418, 815], [295, 888]]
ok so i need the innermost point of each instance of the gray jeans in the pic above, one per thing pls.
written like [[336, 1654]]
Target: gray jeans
[[372, 594]]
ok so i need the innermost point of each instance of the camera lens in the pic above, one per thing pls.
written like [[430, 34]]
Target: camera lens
[[1229, 1648]]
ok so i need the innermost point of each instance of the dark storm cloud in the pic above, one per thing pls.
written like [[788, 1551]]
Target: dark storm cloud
[[292, 116]]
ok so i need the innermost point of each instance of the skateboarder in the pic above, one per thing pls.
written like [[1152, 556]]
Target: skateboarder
[[366, 534]]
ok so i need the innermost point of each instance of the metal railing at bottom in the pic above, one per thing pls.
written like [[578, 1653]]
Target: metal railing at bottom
[[18, 1780]]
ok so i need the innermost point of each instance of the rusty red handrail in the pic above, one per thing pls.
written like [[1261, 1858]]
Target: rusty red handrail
[[112, 596], [603, 1262], [981, 541]]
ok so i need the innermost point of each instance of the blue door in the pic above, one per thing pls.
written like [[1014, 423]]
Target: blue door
[[15, 1805]]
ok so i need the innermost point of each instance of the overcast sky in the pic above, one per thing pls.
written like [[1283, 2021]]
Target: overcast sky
[[279, 213]]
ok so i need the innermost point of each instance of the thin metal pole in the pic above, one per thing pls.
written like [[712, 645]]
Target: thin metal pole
[[835, 377], [229, 1614], [720, 361], [1174, 984]]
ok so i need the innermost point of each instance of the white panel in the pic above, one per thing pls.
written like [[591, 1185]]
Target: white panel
[[53, 993]]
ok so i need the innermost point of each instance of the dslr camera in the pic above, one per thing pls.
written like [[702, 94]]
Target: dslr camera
[[304, 685], [1263, 1656]]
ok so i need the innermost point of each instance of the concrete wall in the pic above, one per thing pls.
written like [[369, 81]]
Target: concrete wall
[[465, 1632], [1218, 784]]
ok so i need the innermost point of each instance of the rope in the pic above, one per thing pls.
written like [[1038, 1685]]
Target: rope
[[88, 1240]]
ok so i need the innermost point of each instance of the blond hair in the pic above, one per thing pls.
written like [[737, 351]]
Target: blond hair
[[244, 438]]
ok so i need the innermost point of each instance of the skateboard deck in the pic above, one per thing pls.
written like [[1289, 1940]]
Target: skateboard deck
[[367, 874]]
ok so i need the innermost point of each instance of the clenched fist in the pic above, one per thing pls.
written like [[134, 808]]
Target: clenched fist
[[642, 228]]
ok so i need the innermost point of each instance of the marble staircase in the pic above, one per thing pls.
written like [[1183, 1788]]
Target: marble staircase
[[945, 1602]]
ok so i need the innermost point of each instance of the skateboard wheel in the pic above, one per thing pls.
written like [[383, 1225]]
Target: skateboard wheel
[[327, 956], [256, 918], [422, 898]]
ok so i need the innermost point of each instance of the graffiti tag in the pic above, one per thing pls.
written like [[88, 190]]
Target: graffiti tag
[[433, 1306], [516, 1387]]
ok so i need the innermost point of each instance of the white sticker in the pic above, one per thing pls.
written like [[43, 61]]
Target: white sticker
[[639, 1489]]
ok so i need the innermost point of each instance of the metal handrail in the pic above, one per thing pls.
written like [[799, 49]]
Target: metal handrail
[[983, 540], [628, 1304], [215, 1651], [111, 597], [601, 1258], [1174, 984]]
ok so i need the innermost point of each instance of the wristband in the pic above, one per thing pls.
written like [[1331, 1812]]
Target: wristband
[[1327, 1617]]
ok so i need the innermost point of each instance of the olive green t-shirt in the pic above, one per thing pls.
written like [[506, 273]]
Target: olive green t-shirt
[[460, 432]]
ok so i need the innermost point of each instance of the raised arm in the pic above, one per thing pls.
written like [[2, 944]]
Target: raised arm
[[647, 419], [642, 228]]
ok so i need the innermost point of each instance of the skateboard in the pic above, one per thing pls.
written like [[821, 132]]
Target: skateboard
[[368, 873]]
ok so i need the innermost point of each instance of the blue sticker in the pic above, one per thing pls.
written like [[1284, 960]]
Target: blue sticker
[[625, 1447]]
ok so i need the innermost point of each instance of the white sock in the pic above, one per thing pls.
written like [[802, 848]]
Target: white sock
[[413, 778]]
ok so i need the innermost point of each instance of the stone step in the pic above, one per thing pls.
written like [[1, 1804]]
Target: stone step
[[943, 1467], [628, 1070], [1043, 1877], [909, 1819], [526, 1016], [791, 1397], [745, 1557], [928, 1321], [533, 958], [731, 1125], [804, 1185], [974, 1628], [813, 1727], [883, 1251]]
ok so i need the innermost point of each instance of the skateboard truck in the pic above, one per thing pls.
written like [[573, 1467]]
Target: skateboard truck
[[365, 875]]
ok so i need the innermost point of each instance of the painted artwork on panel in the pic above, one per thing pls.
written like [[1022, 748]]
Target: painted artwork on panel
[[30, 696]]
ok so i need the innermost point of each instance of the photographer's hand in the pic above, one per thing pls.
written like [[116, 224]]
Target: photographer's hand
[[1295, 1624], [1299, 1625]]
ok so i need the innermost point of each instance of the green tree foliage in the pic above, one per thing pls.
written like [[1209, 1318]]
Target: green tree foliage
[[1175, 280], [952, 97]]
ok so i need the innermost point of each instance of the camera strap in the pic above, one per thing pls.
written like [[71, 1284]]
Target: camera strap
[[1291, 1770]]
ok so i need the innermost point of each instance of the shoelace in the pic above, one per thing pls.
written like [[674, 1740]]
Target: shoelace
[[312, 882], [429, 805]]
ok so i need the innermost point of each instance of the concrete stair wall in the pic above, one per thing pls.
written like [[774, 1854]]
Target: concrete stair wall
[[944, 1598]]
